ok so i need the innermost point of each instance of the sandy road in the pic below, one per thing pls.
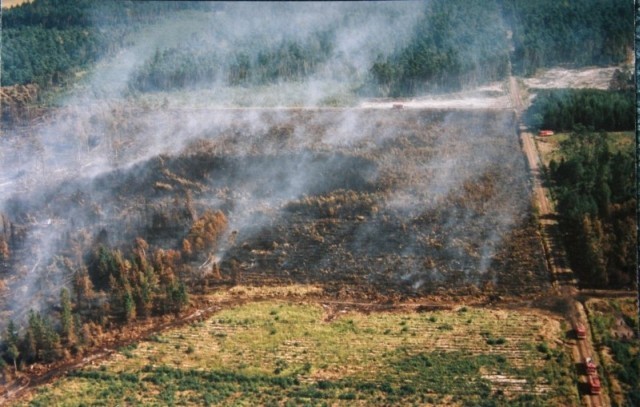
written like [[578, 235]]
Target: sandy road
[[564, 280], [584, 348]]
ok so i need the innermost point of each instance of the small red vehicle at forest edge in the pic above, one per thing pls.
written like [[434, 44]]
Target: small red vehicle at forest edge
[[545, 133]]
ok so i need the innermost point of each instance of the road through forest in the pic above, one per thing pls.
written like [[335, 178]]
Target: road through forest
[[564, 281]]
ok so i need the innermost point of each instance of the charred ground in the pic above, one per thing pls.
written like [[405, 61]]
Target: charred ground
[[409, 202]]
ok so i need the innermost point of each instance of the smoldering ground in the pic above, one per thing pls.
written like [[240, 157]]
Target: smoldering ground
[[416, 201], [411, 200]]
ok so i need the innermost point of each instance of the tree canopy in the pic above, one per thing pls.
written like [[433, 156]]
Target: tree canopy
[[567, 109], [454, 43], [595, 190], [579, 33]]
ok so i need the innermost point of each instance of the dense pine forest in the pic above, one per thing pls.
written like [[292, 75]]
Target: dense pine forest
[[566, 109], [188, 67], [454, 44], [46, 41], [577, 33], [594, 186], [595, 189]]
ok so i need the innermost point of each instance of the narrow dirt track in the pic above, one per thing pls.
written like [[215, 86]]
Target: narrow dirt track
[[564, 280]]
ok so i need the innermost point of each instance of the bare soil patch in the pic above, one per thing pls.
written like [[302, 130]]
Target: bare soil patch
[[13, 3], [595, 78]]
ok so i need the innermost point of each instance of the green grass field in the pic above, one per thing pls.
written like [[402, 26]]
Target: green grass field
[[287, 353]]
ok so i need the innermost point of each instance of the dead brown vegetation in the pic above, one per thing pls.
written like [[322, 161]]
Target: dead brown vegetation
[[18, 101], [206, 231], [399, 201]]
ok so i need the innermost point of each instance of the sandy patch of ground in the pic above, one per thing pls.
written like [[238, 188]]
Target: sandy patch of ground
[[546, 149], [492, 96], [597, 78], [12, 3]]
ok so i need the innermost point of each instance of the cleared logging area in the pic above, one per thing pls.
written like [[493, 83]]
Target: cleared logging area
[[285, 353]]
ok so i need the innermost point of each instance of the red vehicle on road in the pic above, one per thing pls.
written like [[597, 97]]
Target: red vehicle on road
[[590, 366], [581, 333], [545, 133], [594, 384]]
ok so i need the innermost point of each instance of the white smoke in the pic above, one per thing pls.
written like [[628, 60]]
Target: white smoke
[[102, 132]]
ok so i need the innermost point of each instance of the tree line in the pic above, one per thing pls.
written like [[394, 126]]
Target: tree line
[[456, 43], [110, 288], [47, 41], [46, 56], [547, 33], [188, 67], [565, 109], [596, 196]]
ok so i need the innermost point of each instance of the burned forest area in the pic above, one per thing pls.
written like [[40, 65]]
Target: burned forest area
[[376, 206], [399, 202]]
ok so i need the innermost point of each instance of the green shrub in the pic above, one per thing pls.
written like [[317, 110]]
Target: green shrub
[[496, 341], [347, 396]]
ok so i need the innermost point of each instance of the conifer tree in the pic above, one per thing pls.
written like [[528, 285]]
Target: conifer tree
[[66, 317]]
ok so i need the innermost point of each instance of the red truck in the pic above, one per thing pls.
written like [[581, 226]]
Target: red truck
[[590, 366], [545, 133], [594, 384], [581, 333]]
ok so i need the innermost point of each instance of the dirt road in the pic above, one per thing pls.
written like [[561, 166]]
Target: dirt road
[[584, 348], [564, 280]]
